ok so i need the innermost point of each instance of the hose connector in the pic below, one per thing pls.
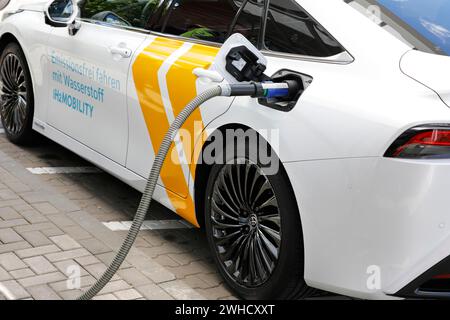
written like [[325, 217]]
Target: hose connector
[[269, 90]]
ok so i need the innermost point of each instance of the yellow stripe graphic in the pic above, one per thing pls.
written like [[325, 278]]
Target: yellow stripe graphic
[[199, 56], [145, 73], [181, 84]]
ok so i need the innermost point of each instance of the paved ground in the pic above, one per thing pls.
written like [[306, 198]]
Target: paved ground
[[51, 223]]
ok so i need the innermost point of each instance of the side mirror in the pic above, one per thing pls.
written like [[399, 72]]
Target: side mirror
[[62, 13]]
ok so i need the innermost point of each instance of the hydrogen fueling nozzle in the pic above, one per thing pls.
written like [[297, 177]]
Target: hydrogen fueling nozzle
[[239, 70], [268, 90]]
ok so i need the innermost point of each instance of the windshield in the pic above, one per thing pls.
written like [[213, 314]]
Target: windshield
[[423, 24]]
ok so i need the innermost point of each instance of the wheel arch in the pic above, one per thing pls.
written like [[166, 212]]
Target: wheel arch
[[6, 39], [202, 172], [201, 187], [26, 133]]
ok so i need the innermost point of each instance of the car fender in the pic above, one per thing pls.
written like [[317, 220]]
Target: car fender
[[32, 36]]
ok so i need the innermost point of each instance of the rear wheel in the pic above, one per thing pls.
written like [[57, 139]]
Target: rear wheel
[[16, 95], [254, 230]]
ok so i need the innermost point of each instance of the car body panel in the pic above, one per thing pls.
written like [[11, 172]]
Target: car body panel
[[14, 5], [92, 84], [430, 69], [164, 83], [35, 40], [5, 6], [392, 215]]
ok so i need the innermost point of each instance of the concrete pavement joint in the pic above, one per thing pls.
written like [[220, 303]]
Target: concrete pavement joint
[[64, 170], [148, 225]]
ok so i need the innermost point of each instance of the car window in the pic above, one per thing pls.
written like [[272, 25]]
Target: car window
[[205, 19], [132, 13], [248, 21], [290, 29]]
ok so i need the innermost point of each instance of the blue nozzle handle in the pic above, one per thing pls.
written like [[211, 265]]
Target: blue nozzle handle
[[261, 90]]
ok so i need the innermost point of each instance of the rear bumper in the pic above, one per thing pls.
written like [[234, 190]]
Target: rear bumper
[[432, 284], [360, 214]]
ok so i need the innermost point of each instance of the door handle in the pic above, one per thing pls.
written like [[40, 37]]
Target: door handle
[[121, 51]]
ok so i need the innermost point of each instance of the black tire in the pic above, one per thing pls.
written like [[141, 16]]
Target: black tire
[[16, 95], [286, 280]]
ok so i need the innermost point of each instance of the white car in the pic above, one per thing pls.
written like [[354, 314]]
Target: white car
[[359, 203]]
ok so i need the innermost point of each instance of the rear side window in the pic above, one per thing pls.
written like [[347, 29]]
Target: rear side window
[[290, 29], [201, 19], [248, 21]]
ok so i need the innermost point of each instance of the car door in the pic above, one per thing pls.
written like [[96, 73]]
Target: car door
[[88, 77], [187, 36]]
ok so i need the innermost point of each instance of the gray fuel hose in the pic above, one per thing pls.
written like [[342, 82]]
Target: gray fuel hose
[[149, 190]]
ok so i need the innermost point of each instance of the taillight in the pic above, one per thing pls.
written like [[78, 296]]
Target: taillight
[[442, 277], [429, 142]]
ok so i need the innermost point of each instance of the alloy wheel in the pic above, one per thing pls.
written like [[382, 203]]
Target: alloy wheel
[[246, 223], [13, 94]]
